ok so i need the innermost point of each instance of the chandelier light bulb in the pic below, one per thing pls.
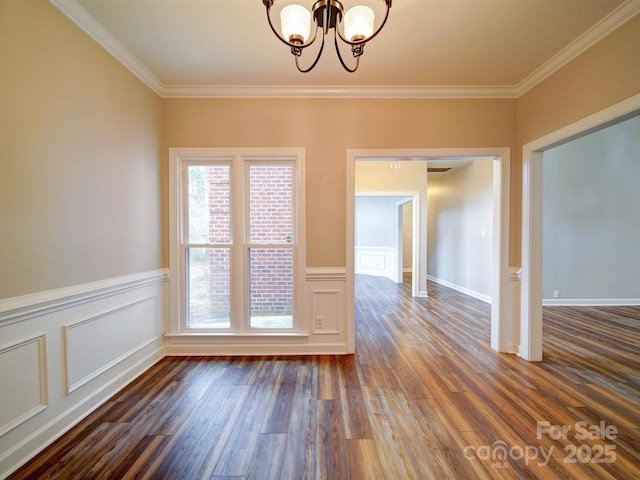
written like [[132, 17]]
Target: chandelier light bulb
[[358, 23], [296, 23], [300, 27]]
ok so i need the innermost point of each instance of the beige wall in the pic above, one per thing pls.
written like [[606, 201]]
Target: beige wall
[[79, 157], [79, 136], [377, 176], [327, 128], [607, 73], [604, 75], [460, 227]]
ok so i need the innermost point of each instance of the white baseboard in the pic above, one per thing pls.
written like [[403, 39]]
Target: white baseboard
[[458, 288], [589, 302]]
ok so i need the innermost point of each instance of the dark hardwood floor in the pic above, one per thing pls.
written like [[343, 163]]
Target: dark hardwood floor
[[424, 397]]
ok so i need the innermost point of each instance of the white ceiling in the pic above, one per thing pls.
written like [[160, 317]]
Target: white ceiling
[[496, 48]]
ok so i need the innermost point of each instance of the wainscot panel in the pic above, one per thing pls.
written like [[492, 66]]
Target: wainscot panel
[[65, 352], [323, 326]]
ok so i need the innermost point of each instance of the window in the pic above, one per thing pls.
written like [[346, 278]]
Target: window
[[237, 240]]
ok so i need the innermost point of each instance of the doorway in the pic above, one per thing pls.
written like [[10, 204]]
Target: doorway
[[532, 254], [379, 237], [502, 330]]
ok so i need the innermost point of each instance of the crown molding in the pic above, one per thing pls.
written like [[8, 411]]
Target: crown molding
[[85, 21], [604, 27], [335, 91], [97, 32]]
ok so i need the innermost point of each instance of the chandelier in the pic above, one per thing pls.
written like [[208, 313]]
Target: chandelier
[[355, 28]]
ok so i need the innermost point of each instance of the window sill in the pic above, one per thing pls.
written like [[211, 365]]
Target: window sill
[[230, 337]]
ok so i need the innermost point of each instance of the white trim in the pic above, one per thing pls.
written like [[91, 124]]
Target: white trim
[[502, 328], [458, 288], [336, 91], [40, 339], [239, 158], [317, 327], [604, 27], [68, 327], [45, 316], [385, 259], [515, 274], [201, 349], [326, 273], [226, 338], [67, 419], [87, 23], [531, 293], [514, 283], [97, 32], [22, 308], [588, 302]]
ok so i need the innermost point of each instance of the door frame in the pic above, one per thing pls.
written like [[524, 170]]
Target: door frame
[[401, 228], [503, 329], [532, 152]]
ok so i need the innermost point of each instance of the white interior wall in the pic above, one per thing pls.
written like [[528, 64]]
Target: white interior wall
[[410, 179], [459, 230], [407, 236], [376, 236], [376, 218], [591, 230]]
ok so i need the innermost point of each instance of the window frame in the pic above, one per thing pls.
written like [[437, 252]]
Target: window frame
[[240, 160]]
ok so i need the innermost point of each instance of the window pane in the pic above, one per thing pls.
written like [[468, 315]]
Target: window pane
[[209, 195], [271, 287], [270, 204], [209, 287]]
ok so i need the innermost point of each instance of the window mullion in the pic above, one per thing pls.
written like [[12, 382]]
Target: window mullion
[[239, 256]]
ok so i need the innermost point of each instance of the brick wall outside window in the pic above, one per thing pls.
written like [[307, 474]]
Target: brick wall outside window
[[270, 222]]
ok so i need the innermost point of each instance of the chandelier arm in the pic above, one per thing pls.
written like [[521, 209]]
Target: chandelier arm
[[375, 34], [315, 62], [344, 65], [268, 4], [324, 17]]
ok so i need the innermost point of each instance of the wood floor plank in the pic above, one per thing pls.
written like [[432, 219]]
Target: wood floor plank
[[239, 447], [278, 413], [137, 460], [331, 444], [364, 462], [354, 415], [268, 457], [300, 460], [327, 380], [424, 397]]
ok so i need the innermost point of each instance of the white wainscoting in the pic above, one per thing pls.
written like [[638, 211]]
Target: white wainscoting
[[512, 327], [322, 326], [23, 390], [377, 261], [326, 290], [65, 352]]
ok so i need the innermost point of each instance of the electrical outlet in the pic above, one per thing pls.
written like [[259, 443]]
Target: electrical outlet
[[319, 322], [556, 294]]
